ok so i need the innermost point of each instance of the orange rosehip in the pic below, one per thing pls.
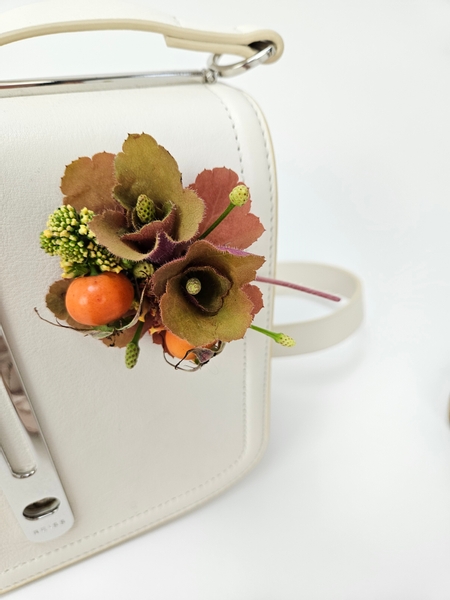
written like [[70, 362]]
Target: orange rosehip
[[99, 299], [178, 348]]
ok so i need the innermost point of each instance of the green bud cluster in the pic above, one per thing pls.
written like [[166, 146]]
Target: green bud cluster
[[69, 237], [145, 209]]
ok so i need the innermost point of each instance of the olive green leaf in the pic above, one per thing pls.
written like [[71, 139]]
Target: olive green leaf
[[224, 310], [145, 167]]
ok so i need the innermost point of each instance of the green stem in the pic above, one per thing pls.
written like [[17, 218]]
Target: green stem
[[279, 338], [93, 270], [271, 334], [218, 221], [137, 333]]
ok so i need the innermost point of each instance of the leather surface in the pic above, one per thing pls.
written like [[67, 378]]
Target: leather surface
[[133, 449], [54, 16]]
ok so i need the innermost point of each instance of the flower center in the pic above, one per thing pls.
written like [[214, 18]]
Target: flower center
[[205, 288]]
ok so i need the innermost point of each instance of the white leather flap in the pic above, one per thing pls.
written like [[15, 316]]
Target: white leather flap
[[133, 448]]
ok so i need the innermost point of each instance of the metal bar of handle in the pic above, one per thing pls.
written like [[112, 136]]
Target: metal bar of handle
[[81, 83], [28, 477], [52, 85], [14, 441]]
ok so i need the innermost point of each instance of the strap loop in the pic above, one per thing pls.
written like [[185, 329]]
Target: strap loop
[[321, 333]]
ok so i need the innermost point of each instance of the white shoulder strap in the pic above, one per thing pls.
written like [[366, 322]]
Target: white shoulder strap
[[326, 331], [58, 16]]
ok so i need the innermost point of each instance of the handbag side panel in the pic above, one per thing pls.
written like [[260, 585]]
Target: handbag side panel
[[133, 449]]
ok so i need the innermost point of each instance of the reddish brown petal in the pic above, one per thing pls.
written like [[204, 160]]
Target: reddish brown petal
[[255, 296], [240, 228]]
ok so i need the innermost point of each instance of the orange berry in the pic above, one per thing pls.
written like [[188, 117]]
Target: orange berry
[[177, 347], [99, 299]]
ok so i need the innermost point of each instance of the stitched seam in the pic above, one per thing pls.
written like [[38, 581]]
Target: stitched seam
[[123, 537], [129, 534], [227, 469], [271, 180], [233, 125]]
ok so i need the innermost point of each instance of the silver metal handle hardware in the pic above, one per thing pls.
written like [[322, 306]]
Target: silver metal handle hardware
[[114, 81], [28, 477], [265, 51]]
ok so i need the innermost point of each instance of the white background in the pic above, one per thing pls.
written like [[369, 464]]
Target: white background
[[352, 499]]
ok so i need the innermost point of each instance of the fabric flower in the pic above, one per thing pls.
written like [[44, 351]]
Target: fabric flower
[[142, 210], [224, 303]]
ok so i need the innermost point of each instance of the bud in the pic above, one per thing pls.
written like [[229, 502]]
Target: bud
[[145, 209], [193, 286], [131, 355], [279, 338], [143, 269], [285, 340], [239, 195]]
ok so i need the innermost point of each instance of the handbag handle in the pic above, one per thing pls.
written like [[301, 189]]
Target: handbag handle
[[55, 16], [317, 334]]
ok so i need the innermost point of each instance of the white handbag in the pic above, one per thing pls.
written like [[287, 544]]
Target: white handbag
[[94, 454]]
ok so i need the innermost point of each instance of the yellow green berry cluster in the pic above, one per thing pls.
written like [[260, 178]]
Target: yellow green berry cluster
[[68, 236]]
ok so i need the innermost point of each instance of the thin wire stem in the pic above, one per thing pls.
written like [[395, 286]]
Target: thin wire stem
[[300, 288]]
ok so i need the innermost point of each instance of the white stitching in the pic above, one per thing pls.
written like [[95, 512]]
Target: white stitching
[[233, 125]]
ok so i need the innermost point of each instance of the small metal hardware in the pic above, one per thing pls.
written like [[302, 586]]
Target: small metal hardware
[[41, 508], [28, 477], [264, 51]]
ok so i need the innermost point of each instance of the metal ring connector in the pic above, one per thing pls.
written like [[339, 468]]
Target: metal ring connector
[[261, 56]]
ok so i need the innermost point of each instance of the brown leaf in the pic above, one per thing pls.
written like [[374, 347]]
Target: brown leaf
[[56, 298], [108, 227], [240, 228], [56, 303], [122, 338], [146, 236], [89, 183]]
